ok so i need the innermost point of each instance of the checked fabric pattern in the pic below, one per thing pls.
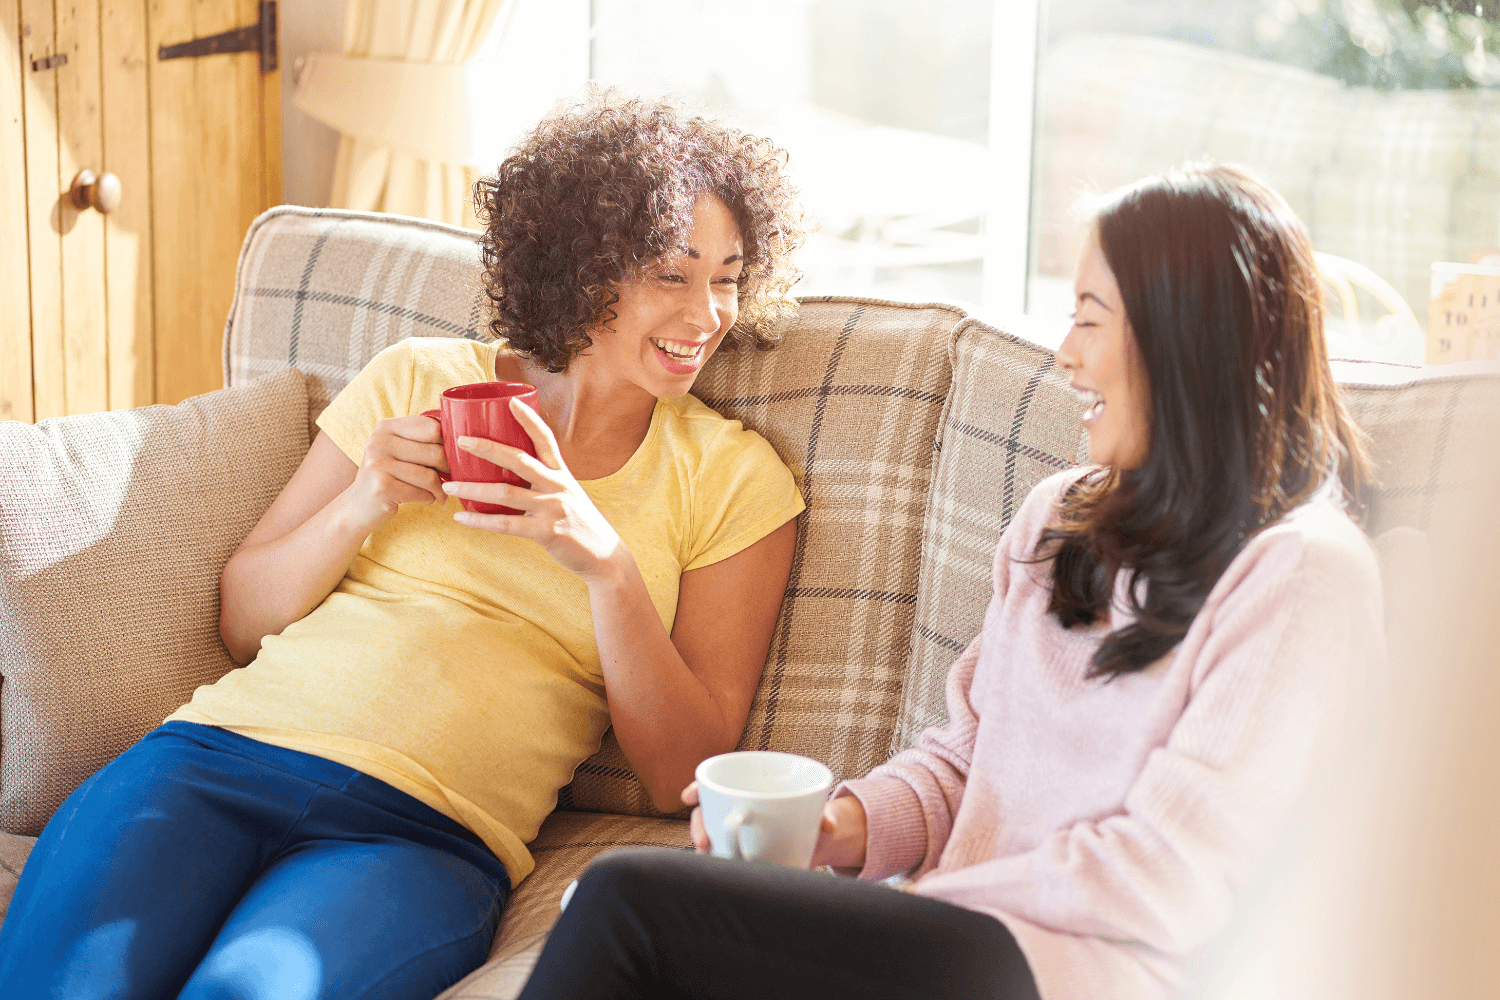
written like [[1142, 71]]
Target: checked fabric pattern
[[1010, 422], [1430, 430], [324, 291], [850, 400]]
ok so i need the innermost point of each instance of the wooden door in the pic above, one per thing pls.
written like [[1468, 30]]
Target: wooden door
[[216, 151], [118, 310]]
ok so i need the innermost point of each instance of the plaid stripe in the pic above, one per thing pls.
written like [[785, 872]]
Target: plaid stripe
[[564, 847], [326, 290], [1431, 434], [1010, 422]]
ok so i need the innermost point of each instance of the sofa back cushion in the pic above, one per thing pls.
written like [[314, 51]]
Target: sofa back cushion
[[1011, 420], [850, 400], [114, 528], [324, 291]]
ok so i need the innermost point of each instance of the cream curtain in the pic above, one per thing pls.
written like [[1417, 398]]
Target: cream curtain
[[444, 32]]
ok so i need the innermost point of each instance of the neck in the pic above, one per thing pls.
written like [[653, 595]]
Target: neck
[[585, 407]]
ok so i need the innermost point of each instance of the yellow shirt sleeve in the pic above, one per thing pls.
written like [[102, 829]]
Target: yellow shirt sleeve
[[382, 389], [743, 493]]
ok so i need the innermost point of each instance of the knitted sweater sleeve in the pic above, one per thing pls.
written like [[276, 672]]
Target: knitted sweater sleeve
[[1295, 619]]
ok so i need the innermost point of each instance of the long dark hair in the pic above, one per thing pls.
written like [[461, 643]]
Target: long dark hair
[[1224, 301]]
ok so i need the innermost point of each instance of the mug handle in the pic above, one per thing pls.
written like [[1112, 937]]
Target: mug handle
[[438, 416], [732, 824]]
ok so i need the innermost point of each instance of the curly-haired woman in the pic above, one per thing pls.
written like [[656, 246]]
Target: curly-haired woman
[[1168, 628], [346, 815]]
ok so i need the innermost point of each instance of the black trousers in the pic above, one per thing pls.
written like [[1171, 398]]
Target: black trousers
[[659, 923]]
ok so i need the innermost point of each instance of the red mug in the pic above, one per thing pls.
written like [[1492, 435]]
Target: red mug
[[482, 409]]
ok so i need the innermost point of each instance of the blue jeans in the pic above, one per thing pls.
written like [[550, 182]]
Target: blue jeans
[[200, 864]]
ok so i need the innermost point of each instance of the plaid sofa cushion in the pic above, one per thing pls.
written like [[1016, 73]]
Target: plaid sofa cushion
[[1011, 420], [850, 401], [567, 842], [114, 528], [325, 290]]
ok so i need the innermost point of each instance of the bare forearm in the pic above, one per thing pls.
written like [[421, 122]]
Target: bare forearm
[[665, 718], [266, 587]]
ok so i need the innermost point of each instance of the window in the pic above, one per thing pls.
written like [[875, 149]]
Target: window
[[942, 146]]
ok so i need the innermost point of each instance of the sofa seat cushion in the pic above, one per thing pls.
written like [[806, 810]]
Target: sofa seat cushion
[[114, 528], [568, 841]]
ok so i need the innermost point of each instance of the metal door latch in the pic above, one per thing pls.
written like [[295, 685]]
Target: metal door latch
[[259, 37]]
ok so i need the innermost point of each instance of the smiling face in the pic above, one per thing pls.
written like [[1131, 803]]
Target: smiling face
[[670, 320], [1103, 366]]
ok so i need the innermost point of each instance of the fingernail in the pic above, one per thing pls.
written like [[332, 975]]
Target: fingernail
[[449, 487], [465, 442]]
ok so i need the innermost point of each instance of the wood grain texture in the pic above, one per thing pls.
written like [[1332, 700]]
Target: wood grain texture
[[127, 230], [175, 150], [39, 92], [211, 140], [81, 147], [15, 273]]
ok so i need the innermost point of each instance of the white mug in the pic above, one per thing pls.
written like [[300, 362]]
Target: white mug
[[762, 805]]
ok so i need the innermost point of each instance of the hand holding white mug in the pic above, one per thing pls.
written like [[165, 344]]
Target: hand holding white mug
[[841, 831]]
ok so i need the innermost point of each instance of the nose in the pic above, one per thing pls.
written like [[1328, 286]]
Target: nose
[[1067, 351], [703, 311]]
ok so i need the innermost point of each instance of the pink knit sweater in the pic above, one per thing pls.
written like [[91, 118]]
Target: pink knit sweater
[[1109, 825]]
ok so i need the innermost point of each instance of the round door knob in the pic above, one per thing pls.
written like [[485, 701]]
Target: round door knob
[[97, 191]]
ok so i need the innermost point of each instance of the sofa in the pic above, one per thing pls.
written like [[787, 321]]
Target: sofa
[[914, 430]]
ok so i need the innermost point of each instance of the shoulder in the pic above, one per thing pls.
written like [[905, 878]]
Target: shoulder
[[709, 440], [451, 353], [415, 371], [1316, 553], [1039, 508]]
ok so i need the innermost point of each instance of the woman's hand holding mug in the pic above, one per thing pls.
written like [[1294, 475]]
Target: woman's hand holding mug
[[401, 464], [841, 831], [556, 513]]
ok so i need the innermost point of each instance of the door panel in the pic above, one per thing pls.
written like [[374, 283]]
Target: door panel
[[85, 339], [39, 99], [127, 230], [211, 149], [15, 276], [119, 310]]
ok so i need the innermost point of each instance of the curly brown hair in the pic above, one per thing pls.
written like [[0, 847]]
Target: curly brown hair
[[603, 189]]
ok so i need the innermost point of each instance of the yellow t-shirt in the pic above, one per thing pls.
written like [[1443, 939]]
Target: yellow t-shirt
[[460, 666]]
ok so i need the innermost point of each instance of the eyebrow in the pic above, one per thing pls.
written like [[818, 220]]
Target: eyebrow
[[1091, 295], [728, 260]]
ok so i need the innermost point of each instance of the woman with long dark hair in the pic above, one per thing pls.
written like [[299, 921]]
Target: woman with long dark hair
[[1169, 628]]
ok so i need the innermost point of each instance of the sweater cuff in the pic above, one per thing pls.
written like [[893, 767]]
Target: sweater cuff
[[895, 828]]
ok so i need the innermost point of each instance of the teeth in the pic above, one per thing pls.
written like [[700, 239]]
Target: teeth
[[673, 350], [1092, 401]]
